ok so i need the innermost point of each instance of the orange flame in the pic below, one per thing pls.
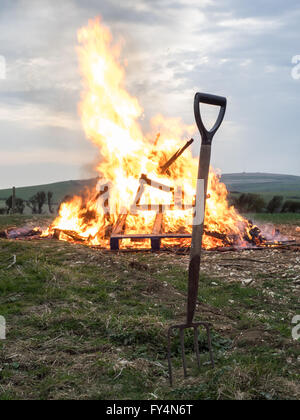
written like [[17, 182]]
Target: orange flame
[[110, 118]]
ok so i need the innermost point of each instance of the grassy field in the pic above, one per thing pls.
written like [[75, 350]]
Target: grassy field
[[90, 324], [267, 196], [276, 218], [266, 185], [263, 183]]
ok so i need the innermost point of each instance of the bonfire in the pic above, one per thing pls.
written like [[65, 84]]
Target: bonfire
[[111, 120]]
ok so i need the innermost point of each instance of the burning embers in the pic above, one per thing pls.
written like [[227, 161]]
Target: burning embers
[[146, 189]]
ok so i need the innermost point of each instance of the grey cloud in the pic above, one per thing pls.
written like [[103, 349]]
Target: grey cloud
[[174, 47]]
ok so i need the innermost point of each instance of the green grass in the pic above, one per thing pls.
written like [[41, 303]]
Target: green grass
[[263, 183], [267, 196], [90, 324], [276, 218]]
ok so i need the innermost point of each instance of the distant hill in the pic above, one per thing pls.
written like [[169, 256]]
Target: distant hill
[[59, 189], [255, 182], [265, 184]]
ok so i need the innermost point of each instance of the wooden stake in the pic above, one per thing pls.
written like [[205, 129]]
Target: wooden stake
[[13, 204]]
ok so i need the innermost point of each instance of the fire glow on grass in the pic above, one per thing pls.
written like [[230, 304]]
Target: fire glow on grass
[[110, 118]]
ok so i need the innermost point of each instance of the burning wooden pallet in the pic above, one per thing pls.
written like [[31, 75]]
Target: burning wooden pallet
[[118, 232], [156, 236]]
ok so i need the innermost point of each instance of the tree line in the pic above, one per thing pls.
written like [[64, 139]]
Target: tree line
[[245, 203], [255, 203], [35, 203]]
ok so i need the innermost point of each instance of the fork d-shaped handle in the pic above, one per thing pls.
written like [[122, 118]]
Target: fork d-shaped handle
[[206, 98]]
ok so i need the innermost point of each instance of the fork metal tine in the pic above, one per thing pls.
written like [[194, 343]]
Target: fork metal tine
[[181, 329], [196, 345]]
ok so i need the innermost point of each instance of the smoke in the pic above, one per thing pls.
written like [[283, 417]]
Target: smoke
[[89, 170]]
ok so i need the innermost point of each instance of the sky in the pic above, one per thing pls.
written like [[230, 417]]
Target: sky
[[246, 51]]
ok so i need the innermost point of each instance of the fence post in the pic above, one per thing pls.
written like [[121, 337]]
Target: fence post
[[13, 204]]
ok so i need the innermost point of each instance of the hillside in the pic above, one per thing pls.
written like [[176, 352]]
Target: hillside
[[59, 189], [261, 183]]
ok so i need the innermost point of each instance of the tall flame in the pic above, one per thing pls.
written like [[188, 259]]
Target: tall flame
[[110, 118]]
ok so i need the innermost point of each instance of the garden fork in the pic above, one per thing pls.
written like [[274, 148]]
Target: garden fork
[[198, 227]]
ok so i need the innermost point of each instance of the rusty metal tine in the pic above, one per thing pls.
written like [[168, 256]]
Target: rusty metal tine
[[181, 329], [183, 351], [196, 345], [209, 345], [169, 357]]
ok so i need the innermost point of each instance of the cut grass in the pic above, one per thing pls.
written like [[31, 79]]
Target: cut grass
[[89, 324]]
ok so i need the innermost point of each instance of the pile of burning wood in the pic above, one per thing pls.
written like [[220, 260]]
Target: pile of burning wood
[[146, 193], [254, 239]]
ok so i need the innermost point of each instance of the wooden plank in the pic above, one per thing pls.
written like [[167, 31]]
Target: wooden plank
[[162, 208], [13, 205], [179, 152], [156, 234], [120, 224], [118, 229], [151, 235], [71, 233], [157, 228]]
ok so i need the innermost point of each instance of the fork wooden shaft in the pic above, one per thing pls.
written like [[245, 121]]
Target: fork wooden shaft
[[195, 253]]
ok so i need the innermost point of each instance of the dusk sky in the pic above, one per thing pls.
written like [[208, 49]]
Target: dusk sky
[[246, 51]]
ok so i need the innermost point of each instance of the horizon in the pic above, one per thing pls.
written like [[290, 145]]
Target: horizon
[[91, 178]]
